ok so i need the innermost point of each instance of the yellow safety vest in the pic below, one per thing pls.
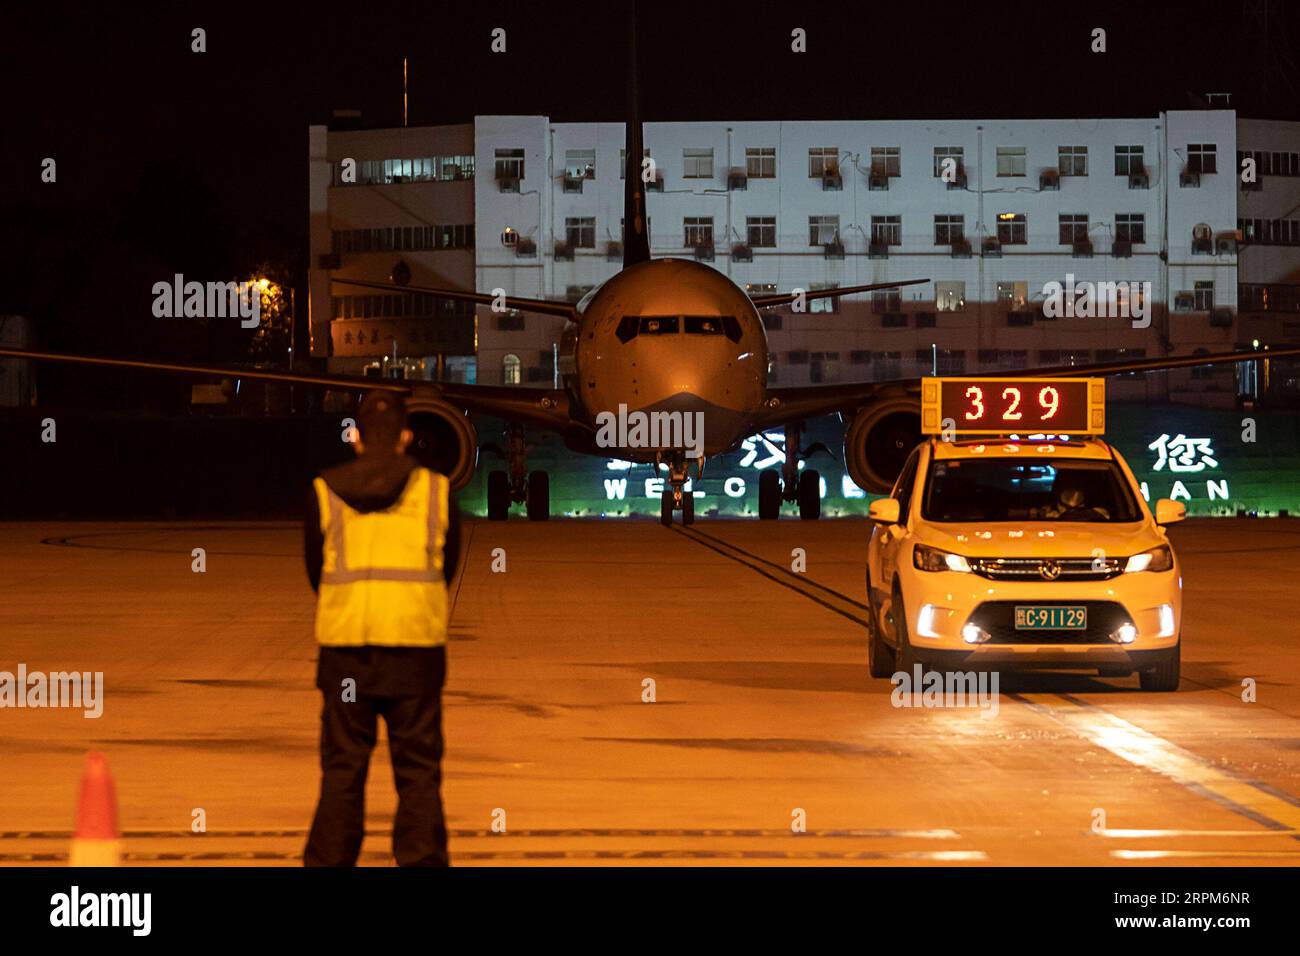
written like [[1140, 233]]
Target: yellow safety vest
[[382, 582]]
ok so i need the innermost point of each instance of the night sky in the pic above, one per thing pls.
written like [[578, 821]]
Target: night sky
[[171, 161]]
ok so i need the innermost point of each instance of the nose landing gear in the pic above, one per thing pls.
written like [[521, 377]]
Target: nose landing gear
[[530, 488], [675, 497]]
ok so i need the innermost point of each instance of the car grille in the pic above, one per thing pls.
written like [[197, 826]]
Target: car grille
[[999, 619], [1047, 569]]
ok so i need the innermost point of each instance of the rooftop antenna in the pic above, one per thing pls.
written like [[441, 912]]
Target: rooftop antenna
[[636, 242], [404, 93]]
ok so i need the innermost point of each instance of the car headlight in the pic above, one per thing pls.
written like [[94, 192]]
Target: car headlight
[[926, 558], [1157, 559]]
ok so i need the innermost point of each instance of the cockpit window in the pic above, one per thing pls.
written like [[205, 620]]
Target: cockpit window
[[626, 330], [659, 324], [703, 324], [731, 326]]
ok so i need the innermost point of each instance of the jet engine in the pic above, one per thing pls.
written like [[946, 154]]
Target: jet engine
[[445, 439], [878, 440]]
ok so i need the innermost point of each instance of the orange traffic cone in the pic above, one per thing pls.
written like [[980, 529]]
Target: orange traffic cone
[[95, 842]]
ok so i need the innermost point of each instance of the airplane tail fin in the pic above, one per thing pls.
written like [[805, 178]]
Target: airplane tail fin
[[636, 240]]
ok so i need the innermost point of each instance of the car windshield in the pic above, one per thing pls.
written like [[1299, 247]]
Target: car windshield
[[1027, 489]]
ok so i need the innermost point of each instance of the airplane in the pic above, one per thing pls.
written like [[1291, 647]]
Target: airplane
[[662, 337]]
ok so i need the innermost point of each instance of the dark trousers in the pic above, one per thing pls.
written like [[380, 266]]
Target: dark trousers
[[404, 686]]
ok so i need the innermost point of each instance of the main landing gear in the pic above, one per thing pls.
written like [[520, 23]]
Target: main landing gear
[[675, 497], [531, 488], [791, 485]]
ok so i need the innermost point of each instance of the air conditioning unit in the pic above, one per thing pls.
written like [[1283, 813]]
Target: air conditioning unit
[[738, 179], [878, 181], [614, 251], [655, 185], [925, 320], [1221, 318], [526, 249], [961, 248], [1139, 181], [330, 260], [508, 184], [1049, 179], [1189, 179], [992, 248], [959, 180], [1253, 187], [833, 250], [1202, 246], [1225, 246], [704, 251], [563, 251], [741, 252], [878, 250], [573, 180], [893, 320], [1121, 249], [1184, 302], [832, 180], [1082, 249]]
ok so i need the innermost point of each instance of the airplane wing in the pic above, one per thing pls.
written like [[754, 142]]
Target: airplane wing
[[802, 402], [538, 407], [545, 306], [785, 298]]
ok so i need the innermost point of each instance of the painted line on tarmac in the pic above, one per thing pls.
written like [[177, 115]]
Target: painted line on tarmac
[[940, 833], [77, 540], [1257, 801], [838, 603], [1201, 854], [935, 856], [1122, 834]]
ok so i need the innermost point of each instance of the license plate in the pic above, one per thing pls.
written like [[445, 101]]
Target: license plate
[[1055, 617]]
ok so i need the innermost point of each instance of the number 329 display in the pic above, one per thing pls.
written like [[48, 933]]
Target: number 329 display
[[1015, 406]]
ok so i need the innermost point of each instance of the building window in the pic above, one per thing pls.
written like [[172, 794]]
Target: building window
[[1203, 296], [760, 162], [949, 230], [1072, 160], [1129, 161], [760, 231], [823, 230], [1012, 229], [941, 361], [580, 232], [823, 160], [1011, 160], [886, 161], [699, 231], [1270, 232], [510, 370], [1202, 158], [1074, 228], [580, 163], [950, 296], [622, 162], [824, 367], [697, 163], [887, 230], [1131, 227], [760, 288], [887, 365], [1013, 295], [941, 153], [887, 300], [510, 165]]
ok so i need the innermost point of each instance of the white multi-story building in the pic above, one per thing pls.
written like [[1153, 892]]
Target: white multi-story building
[[991, 211]]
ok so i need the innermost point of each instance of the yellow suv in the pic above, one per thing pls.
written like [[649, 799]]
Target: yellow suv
[[1000, 553]]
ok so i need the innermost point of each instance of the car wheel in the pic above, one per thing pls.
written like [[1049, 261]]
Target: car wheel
[[1165, 675], [880, 656]]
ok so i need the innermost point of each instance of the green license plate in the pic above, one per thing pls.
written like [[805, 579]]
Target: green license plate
[[1055, 617]]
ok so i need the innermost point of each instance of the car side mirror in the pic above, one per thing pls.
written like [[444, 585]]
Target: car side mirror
[[1169, 511], [884, 511]]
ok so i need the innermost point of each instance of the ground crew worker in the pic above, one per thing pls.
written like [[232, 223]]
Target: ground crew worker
[[381, 542]]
